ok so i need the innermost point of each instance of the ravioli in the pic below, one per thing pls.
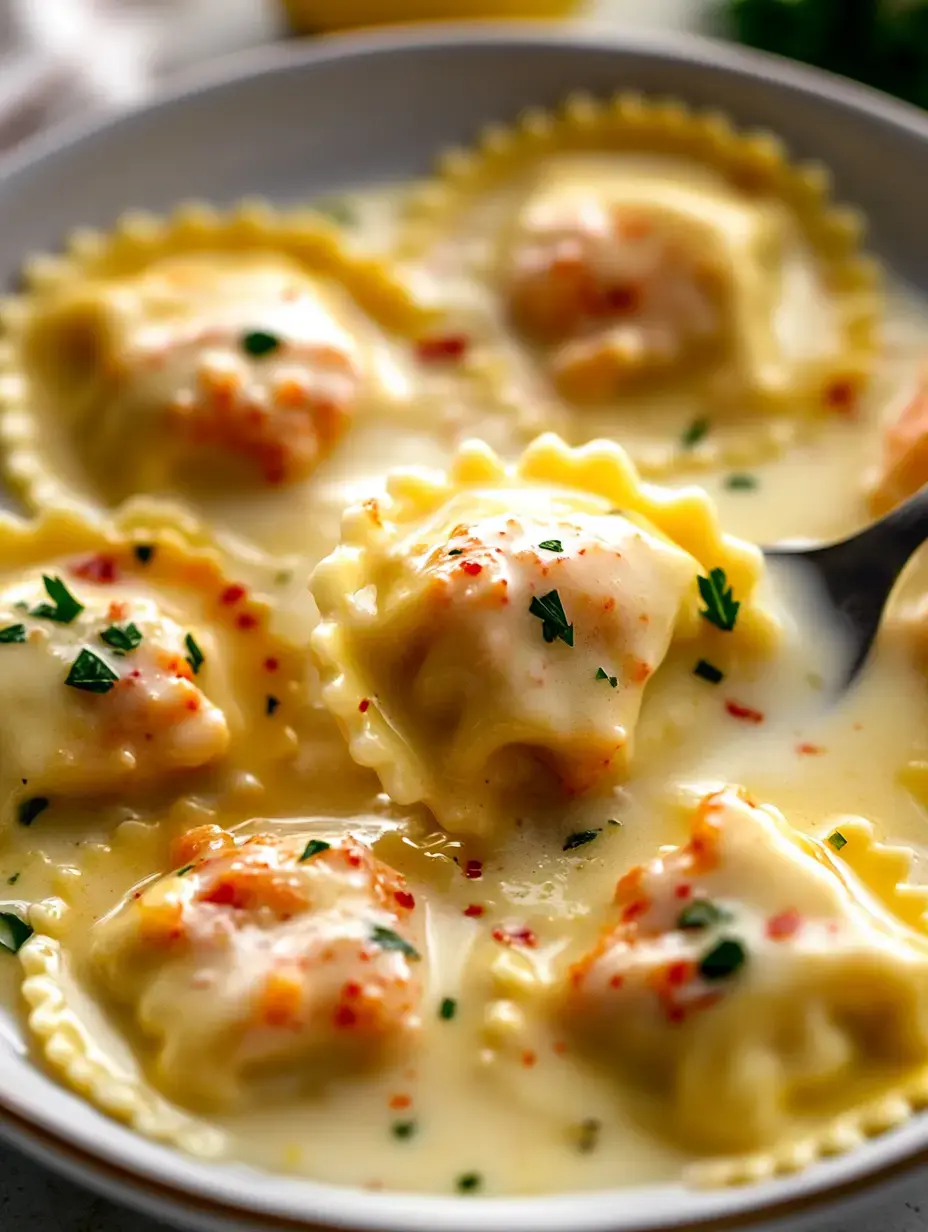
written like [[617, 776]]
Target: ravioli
[[128, 666], [751, 972], [492, 631], [652, 265], [264, 954], [200, 360]]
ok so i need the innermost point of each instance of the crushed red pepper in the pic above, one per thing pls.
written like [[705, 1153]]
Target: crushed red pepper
[[746, 713]]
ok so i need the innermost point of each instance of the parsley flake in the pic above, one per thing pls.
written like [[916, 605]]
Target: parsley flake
[[271, 704], [339, 209], [30, 809], [456, 552], [550, 611], [387, 939], [14, 932], [447, 1009], [708, 671], [723, 960], [580, 839], [195, 656], [63, 607], [403, 1129], [741, 482], [721, 608], [143, 552], [89, 673], [468, 1182], [837, 840], [13, 633], [314, 847], [182, 872], [12, 880], [694, 433], [587, 1135], [700, 914], [602, 674], [552, 545], [122, 640], [259, 342]]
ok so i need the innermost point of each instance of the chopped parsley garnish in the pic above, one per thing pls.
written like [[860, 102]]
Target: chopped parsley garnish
[[741, 482], [30, 809], [580, 839], [122, 640], [721, 608], [14, 932], [468, 1182], [13, 633], [587, 1133], [314, 847], [694, 433], [12, 880], [194, 656], [550, 611], [339, 209], [143, 552], [700, 914], [602, 674], [403, 1129], [708, 671], [456, 552], [447, 1009], [259, 342], [552, 545], [387, 939], [723, 960], [270, 706], [182, 872], [837, 840], [89, 673], [63, 607]]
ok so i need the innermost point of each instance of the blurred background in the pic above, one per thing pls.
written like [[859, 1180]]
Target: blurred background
[[61, 57]]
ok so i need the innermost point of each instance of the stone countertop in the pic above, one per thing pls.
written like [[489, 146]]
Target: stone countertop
[[31, 1198]]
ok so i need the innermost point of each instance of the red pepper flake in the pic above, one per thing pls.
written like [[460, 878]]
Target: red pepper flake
[[232, 594], [617, 981], [271, 665], [471, 567], [515, 936], [352, 990], [474, 910], [785, 925], [473, 870], [635, 909], [363, 704], [809, 750], [747, 713], [560, 1047], [405, 899], [841, 396], [246, 620], [675, 1014], [193, 704], [96, 569], [683, 891], [529, 1058], [400, 1101], [678, 974], [344, 1016], [438, 349]]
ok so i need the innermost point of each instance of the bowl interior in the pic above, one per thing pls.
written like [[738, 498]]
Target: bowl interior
[[293, 124]]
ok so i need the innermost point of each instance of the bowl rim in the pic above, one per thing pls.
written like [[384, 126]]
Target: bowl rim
[[115, 1159]]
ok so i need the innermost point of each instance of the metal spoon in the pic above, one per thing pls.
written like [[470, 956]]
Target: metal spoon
[[857, 574]]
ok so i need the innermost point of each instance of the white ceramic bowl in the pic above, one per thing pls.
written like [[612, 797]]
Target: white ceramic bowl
[[291, 124]]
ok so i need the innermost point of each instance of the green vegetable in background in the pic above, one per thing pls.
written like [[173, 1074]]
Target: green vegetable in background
[[883, 43]]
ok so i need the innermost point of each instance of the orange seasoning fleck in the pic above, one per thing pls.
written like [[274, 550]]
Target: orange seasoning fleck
[[518, 935], [809, 750], [841, 396], [397, 1102], [746, 713], [442, 348], [247, 620], [529, 1058], [232, 594], [785, 925], [471, 567]]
